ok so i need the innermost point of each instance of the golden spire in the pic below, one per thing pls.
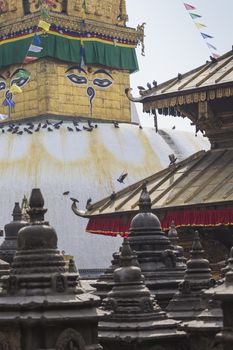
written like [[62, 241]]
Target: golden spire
[[123, 13]]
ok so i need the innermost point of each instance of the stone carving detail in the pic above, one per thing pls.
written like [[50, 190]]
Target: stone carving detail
[[95, 7], [4, 344], [70, 340], [7, 6], [12, 286], [169, 258], [111, 304], [59, 5], [60, 284], [146, 305]]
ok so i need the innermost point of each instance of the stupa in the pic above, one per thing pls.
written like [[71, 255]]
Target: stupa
[[72, 126], [187, 303], [42, 306], [136, 322], [224, 294], [9, 245], [161, 264]]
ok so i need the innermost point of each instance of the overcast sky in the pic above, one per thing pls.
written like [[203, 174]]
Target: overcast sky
[[173, 42]]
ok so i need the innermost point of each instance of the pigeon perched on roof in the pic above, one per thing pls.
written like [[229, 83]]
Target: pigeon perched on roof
[[88, 204], [116, 124], [172, 159]]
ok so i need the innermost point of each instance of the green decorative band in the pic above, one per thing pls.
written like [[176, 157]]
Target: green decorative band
[[66, 48]]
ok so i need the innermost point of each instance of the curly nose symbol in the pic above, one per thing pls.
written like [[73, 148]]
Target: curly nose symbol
[[91, 95]]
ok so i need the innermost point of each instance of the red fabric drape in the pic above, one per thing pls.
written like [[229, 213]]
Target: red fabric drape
[[115, 225]]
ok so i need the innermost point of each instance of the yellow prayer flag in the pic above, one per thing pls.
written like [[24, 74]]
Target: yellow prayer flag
[[200, 25], [44, 25], [15, 89]]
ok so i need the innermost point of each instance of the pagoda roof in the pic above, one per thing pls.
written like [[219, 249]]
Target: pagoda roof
[[196, 85], [203, 179]]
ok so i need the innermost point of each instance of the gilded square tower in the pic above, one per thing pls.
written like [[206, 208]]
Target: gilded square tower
[[79, 67]]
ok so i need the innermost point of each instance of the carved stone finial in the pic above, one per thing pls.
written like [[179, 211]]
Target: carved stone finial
[[17, 213], [36, 203], [197, 250], [24, 209], [172, 233]]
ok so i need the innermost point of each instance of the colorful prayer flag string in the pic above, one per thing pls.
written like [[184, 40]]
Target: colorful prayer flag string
[[190, 8], [34, 48]]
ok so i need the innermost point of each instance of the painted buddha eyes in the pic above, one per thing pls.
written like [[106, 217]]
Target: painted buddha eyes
[[19, 81], [80, 79], [77, 79], [2, 85], [102, 83]]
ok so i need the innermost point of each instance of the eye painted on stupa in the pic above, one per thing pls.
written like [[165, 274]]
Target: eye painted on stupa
[[20, 77], [104, 82], [76, 78], [2, 85]]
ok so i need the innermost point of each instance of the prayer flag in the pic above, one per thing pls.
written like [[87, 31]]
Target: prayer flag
[[200, 25], [44, 25], [36, 39], [206, 36], [194, 15], [15, 89], [189, 7], [29, 59], [44, 12], [211, 46], [215, 55], [23, 73], [34, 48]]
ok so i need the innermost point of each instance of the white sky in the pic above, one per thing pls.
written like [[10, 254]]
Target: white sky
[[174, 44]]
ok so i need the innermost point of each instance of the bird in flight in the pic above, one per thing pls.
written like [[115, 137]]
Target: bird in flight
[[122, 178]]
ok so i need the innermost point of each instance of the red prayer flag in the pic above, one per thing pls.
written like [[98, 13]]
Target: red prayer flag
[[189, 7], [29, 59]]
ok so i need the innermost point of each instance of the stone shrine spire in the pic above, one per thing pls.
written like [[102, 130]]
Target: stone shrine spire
[[136, 320], [38, 267], [162, 266], [9, 245], [39, 294], [188, 302]]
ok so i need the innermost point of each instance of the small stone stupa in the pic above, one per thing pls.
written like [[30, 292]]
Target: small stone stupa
[[42, 305], [9, 245], [188, 302], [161, 264], [136, 322], [105, 282], [174, 238], [224, 293], [207, 324]]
